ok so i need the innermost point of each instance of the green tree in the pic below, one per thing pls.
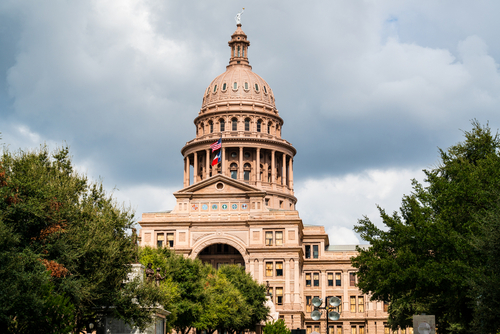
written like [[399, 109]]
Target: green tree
[[276, 327], [72, 242], [224, 306], [188, 276], [427, 259], [253, 293]]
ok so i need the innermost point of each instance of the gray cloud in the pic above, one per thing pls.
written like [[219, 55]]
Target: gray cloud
[[360, 85]]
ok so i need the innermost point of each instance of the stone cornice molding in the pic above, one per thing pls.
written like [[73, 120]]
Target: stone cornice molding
[[191, 146]]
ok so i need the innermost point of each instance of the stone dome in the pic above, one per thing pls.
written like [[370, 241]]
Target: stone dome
[[238, 84]]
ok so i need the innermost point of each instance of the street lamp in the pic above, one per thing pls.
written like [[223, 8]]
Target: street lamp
[[331, 315]]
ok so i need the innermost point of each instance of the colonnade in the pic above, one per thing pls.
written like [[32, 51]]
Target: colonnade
[[277, 166]]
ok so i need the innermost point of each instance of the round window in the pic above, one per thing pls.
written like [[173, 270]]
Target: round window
[[247, 154], [233, 154], [219, 186]]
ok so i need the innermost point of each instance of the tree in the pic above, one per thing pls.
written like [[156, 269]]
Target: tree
[[253, 293], [428, 259], [189, 277], [68, 240], [276, 327]]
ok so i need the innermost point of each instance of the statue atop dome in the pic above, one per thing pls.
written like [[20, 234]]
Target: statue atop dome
[[238, 17]]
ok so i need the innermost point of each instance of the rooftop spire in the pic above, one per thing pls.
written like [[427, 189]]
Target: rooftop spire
[[239, 45]]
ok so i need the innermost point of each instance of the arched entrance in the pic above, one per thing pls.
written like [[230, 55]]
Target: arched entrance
[[219, 254]]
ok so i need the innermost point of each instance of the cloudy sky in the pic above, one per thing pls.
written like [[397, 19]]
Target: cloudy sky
[[368, 89]]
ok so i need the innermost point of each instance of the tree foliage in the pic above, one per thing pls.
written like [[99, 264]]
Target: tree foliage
[[228, 299], [65, 249], [434, 255], [276, 327]]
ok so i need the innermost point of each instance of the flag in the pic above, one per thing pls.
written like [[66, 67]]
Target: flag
[[216, 159], [217, 145]]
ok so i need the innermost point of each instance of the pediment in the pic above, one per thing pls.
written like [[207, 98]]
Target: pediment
[[219, 185]]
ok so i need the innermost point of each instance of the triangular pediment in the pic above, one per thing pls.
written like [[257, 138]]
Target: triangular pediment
[[219, 185]]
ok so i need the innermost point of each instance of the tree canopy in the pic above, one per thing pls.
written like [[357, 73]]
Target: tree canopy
[[439, 254], [228, 299], [65, 249]]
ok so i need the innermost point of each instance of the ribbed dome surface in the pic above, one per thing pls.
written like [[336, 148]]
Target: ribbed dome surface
[[249, 87]]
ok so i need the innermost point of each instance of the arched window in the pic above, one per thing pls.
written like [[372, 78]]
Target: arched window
[[269, 127], [269, 174], [247, 124], [259, 123], [246, 172], [244, 51], [211, 126], [234, 124], [222, 125], [238, 50], [234, 170]]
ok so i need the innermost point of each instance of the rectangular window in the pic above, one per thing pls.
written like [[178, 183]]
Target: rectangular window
[[352, 279], [361, 330], [330, 279], [269, 238], [361, 304], [170, 239], [279, 296], [316, 328], [316, 279], [269, 269], [235, 85], [339, 329], [159, 240], [315, 251], [410, 330], [338, 281], [308, 279], [353, 329], [279, 238], [308, 304], [234, 174], [279, 268], [353, 304], [387, 330], [331, 330], [386, 307], [308, 251], [308, 329], [247, 125]]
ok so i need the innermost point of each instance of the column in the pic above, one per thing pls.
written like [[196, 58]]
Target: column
[[258, 167], [186, 171], [261, 271], [323, 285], [273, 168], [223, 161], [283, 177], [290, 172], [195, 167], [296, 281], [287, 281], [240, 165], [207, 162], [252, 267]]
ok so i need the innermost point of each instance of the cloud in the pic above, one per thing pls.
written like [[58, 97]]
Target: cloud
[[338, 202]]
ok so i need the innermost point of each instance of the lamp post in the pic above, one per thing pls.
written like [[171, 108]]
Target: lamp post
[[330, 314]]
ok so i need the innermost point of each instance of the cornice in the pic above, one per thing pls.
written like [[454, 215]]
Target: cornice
[[207, 142]]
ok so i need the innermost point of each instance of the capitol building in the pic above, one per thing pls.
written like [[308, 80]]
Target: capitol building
[[238, 206]]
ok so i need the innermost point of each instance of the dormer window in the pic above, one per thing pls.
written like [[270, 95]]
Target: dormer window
[[246, 85], [235, 85], [224, 86], [265, 90], [256, 87], [215, 88]]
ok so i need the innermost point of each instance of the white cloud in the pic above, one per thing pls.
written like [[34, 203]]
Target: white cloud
[[338, 202]]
